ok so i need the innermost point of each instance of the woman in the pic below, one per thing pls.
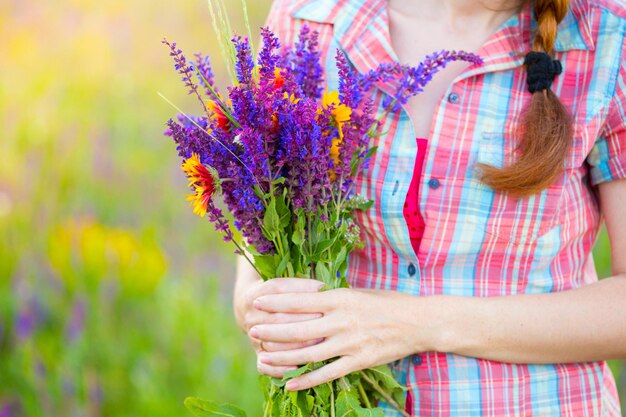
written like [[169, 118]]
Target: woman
[[476, 280]]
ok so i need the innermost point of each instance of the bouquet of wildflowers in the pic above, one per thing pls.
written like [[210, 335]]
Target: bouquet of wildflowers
[[284, 156]]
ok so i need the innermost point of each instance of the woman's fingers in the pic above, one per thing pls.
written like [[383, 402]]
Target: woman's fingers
[[336, 369], [293, 332], [303, 303], [316, 352], [288, 286], [273, 371], [254, 317], [281, 347]]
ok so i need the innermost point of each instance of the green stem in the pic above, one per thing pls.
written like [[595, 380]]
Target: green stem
[[332, 400], [268, 404], [366, 400], [251, 262], [222, 222], [384, 394]]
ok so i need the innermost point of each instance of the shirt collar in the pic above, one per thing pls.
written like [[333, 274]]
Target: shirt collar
[[574, 32], [320, 11]]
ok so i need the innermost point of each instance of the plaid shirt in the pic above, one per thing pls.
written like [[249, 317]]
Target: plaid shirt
[[477, 242]]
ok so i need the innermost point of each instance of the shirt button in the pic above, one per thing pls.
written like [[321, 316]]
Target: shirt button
[[453, 98], [434, 183], [417, 360], [412, 270]]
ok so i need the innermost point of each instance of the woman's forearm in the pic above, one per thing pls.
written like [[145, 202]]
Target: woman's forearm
[[585, 324]]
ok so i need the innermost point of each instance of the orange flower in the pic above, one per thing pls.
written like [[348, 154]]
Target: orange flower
[[202, 181], [334, 150], [278, 79], [334, 155]]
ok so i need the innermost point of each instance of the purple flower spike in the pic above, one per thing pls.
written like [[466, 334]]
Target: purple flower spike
[[185, 69], [205, 73], [350, 90], [268, 58], [244, 63], [307, 70], [414, 79], [189, 138], [221, 223]]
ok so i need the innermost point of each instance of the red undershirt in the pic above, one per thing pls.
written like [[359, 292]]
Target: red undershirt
[[411, 211]]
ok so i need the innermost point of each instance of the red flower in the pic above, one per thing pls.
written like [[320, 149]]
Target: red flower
[[202, 181]]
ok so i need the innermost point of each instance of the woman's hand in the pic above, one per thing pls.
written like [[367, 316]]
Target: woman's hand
[[362, 328], [251, 316]]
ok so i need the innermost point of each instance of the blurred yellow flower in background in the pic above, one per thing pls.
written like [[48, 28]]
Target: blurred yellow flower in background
[[84, 252]]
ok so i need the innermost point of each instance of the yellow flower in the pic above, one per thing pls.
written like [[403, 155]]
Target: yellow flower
[[341, 113], [292, 98]]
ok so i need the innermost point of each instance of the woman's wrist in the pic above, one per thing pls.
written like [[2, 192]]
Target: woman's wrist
[[441, 323]]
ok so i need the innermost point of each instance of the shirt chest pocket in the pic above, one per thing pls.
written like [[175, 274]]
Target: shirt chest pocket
[[505, 217]]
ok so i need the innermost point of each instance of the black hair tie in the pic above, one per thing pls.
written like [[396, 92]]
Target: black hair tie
[[541, 70]]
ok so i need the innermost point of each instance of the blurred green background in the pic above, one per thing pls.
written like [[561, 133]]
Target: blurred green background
[[114, 298]]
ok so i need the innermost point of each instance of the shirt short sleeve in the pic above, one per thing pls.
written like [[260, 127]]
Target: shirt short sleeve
[[281, 22], [608, 155]]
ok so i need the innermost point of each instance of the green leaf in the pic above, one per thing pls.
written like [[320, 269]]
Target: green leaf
[[310, 400], [323, 274], [340, 258], [267, 265], [323, 245], [271, 221], [296, 262], [348, 404], [283, 211], [384, 378], [300, 403], [298, 230], [296, 372], [371, 151], [282, 266], [366, 205], [203, 408], [383, 375], [279, 382], [322, 393], [369, 412]]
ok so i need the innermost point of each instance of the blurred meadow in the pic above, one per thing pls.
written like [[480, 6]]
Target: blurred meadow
[[114, 297]]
